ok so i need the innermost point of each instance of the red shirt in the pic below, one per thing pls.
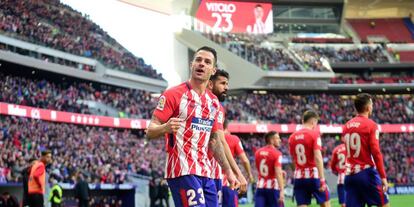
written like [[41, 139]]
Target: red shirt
[[338, 162], [267, 158], [301, 146], [187, 149], [362, 144], [236, 149]]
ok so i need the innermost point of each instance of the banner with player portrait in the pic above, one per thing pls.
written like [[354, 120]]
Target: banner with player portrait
[[236, 17]]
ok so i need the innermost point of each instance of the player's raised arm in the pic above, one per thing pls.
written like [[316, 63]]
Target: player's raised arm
[[216, 146], [162, 121], [157, 129]]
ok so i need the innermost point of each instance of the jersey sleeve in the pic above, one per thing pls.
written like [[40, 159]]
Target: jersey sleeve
[[165, 107], [238, 148], [375, 150], [317, 142]]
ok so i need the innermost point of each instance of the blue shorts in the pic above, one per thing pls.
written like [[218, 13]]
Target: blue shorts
[[305, 188], [219, 186], [267, 198], [230, 197], [341, 193], [363, 188], [193, 190]]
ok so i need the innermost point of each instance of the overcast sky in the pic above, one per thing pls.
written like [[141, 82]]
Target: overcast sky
[[145, 33]]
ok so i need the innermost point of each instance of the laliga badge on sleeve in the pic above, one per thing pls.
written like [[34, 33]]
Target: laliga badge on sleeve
[[161, 103]]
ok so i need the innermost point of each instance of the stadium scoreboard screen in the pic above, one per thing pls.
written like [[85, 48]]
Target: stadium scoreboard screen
[[236, 17]]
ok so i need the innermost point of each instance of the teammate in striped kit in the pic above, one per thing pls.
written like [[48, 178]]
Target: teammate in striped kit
[[187, 114], [338, 167], [365, 180], [218, 84], [270, 186], [305, 148], [230, 196]]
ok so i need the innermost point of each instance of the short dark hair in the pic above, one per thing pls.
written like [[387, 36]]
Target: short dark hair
[[219, 72], [361, 101], [258, 5], [208, 49], [225, 123], [309, 114], [46, 152], [269, 135]]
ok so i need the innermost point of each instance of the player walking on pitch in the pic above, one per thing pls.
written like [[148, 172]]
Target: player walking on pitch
[[365, 180], [305, 148], [270, 185]]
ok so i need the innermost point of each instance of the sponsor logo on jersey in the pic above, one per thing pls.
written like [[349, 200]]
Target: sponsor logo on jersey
[[202, 125]]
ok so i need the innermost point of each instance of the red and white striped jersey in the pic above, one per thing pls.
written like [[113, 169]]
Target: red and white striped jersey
[[338, 162], [216, 171], [301, 146], [361, 137], [187, 149], [236, 148], [267, 158]]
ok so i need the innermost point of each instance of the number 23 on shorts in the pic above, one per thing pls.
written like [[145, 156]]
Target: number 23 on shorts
[[192, 199]]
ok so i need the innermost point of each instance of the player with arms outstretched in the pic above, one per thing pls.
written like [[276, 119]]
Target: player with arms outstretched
[[305, 148], [270, 185], [338, 167], [365, 180]]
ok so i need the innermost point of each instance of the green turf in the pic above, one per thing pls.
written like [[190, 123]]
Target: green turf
[[395, 201]]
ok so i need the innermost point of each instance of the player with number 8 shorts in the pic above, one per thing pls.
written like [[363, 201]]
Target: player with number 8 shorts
[[365, 180], [305, 148], [270, 186]]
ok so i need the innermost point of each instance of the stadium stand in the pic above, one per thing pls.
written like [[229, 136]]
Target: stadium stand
[[65, 96], [247, 47], [278, 108], [102, 155], [59, 27], [394, 29], [106, 155]]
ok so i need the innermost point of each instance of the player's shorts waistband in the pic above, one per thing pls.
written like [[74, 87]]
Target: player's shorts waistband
[[306, 173], [351, 170]]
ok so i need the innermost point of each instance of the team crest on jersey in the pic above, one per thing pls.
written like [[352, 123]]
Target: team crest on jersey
[[161, 103]]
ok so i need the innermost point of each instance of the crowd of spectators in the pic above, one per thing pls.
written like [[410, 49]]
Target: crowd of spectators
[[53, 24], [266, 57], [101, 155], [64, 96], [373, 80], [313, 57], [108, 155], [333, 109]]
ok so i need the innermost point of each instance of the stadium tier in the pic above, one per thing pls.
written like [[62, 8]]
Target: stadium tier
[[394, 29], [62, 28]]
